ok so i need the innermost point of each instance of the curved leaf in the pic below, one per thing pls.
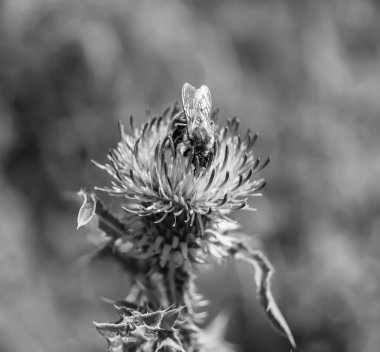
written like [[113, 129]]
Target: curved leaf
[[87, 210], [263, 274]]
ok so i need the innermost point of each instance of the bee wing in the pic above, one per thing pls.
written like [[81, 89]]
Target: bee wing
[[203, 104], [188, 94]]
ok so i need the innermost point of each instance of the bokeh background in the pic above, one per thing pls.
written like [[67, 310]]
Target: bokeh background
[[305, 74]]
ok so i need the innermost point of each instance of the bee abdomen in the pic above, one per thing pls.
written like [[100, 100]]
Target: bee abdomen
[[201, 139]]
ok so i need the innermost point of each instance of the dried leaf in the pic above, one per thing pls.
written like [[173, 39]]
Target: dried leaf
[[87, 210], [263, 274]]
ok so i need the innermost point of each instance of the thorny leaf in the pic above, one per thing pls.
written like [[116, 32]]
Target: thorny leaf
[[87, 210], [107, 330], [138, 331], [152, 319], [263, 274], [169, 318]]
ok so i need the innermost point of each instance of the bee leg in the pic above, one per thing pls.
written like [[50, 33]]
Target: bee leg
[[208, 161], [211, 157], [197, 167], [190, 159]]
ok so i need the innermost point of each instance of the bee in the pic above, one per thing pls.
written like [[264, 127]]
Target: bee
[[197, 132]]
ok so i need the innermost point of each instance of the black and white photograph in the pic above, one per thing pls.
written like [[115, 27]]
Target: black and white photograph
[[189, 176]]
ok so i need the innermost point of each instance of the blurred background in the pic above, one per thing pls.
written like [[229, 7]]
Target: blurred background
[[305, 74]]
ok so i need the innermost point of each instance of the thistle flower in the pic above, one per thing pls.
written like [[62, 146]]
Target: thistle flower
[[157, 179], [176, 197], [176, 207]]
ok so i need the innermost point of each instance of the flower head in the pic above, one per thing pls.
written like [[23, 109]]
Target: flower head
[[179, 203], [158, 180]]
